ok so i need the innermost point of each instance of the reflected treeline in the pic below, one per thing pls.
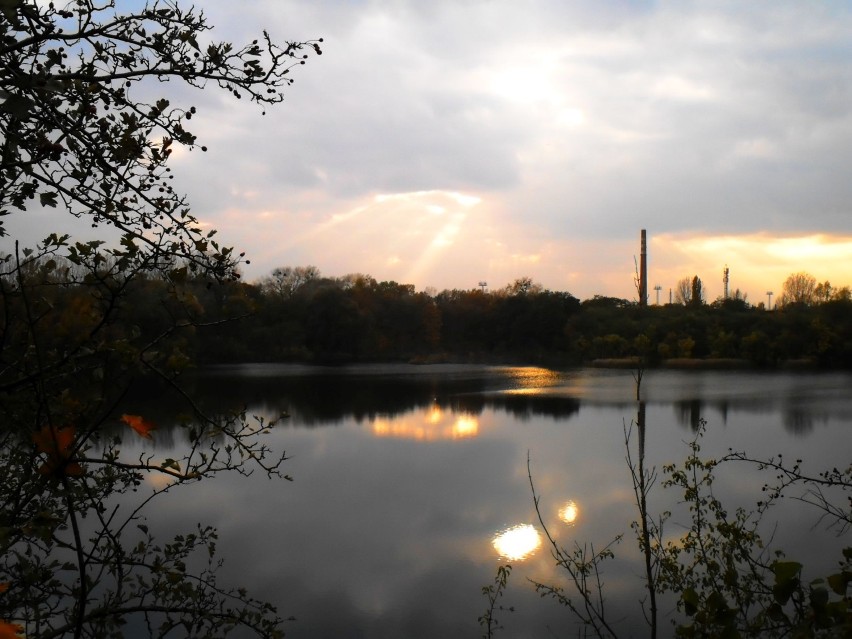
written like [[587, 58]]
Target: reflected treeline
[[521, 406], [689, 412], [329, 398], [800, 421], [323, 396], [797, 420]]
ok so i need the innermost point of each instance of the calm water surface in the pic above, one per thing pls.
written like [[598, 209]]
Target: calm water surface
[[411, 484]]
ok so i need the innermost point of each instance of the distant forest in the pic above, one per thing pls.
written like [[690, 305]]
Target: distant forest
[[297, 315]]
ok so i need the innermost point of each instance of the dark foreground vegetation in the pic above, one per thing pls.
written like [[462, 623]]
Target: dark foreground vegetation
[[80, 135]]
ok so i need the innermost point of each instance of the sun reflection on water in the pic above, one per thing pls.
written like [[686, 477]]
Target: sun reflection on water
[[569, 511], [432, 425], [531, 380], [517, 543]]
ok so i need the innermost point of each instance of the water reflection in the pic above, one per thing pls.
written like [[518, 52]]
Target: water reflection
[[517, 543], [432, 425], [384, 392], [689, 413], [520, 542], [533, 380], [318, 396], [398, 537], [798, 419], [569, 511]]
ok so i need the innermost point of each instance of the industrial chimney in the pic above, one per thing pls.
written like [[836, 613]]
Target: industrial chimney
[[643, 272]]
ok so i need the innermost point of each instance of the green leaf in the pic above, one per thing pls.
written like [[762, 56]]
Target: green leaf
[[690, 601], [17, 105], [819, 597], [840, 582], [786, 571], [786, 580], [47, 199]]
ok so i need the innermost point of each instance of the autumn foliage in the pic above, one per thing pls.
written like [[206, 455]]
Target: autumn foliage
[[57, 446], [10, 630], [139, 424]]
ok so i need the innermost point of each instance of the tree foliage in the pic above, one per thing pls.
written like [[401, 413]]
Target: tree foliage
[[696, 297], [683, 291], [689, 291], [78, 133], [85, 129], [285, 281], [800, 288]]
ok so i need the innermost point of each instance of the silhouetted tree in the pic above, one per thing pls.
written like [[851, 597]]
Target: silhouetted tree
[[81, 321], [286, 280], [683, 291], [696, 297], [799, 288], [522, 286]]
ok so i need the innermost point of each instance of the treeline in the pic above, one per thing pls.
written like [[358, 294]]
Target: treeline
[[356, 318], [297, 315]]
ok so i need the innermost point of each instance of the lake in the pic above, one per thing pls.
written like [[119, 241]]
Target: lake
[[411, 486]]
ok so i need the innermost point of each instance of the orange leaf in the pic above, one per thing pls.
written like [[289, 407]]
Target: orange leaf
[[138, 423], [10, 630], [57, 444], [4, 586], [54, 441]]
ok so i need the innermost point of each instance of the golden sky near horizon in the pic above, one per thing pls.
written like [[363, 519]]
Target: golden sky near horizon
[[454, 230]]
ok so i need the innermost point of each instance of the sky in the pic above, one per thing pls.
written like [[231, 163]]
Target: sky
[[452, 142]]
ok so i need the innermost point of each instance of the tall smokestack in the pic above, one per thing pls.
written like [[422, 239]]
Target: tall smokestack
[[643, 272]]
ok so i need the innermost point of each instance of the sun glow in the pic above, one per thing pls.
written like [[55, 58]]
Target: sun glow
[[159, 480]]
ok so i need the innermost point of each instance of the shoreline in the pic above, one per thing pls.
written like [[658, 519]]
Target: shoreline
[[710, 363]]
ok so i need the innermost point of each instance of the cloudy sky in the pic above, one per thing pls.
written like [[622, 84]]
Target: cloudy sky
[[446, 142]]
